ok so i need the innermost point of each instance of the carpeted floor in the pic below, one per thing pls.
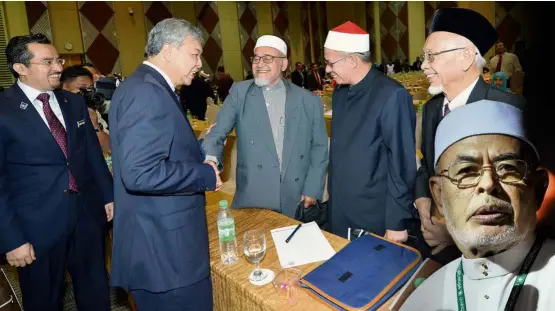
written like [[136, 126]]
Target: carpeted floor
[[118, 297]]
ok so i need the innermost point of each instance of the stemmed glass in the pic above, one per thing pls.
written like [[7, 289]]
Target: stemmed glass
[[254, 247]]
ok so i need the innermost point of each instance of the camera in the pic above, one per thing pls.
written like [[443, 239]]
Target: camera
[[93, 99]]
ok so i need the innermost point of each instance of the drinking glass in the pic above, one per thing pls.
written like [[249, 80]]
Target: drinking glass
[[254, 246]]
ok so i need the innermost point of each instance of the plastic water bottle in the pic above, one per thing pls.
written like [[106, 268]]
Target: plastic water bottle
[[226, 233]]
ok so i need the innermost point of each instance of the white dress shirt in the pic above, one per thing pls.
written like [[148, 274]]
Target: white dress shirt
[[170, 83], [32, 95], [461, 99], [488, 282], [509, 64]]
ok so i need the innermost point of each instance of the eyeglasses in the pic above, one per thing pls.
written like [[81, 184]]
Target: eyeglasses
[[328, 63], [430, 56], [51, 62], [267, 59], [468, 174]]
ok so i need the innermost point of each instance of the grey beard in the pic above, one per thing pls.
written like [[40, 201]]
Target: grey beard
[[434, 90], [261, 82]]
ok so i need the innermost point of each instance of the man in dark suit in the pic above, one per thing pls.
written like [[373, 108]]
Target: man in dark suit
[[453, 63], [160, 249], [55, 188], [298, 77], [314, 80]]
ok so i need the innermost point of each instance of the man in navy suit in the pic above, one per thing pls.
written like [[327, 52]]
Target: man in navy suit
[[55, 188], [160, 250]]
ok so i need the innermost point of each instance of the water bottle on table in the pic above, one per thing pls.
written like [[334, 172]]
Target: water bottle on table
[[226, 233]]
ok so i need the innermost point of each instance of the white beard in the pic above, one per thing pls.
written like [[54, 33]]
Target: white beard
[[434, 90], [261, 82]]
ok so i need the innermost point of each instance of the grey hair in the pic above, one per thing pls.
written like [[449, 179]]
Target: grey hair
[[171, 31], [364, 56], [479, 61]]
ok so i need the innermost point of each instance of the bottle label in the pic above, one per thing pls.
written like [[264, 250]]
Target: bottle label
[[226, 230]]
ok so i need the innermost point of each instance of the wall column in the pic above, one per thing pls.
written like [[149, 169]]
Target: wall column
[[15, 16], [295, 34], [264, 16], [416, 29], [487, 9], [185, 10], [231, 44], [377, 33], [66, 28], [131, 32]]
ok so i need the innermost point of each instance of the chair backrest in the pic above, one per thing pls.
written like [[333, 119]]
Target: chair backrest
[[212, 112]]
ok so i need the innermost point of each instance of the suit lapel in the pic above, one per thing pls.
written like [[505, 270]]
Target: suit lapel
[[291, 124], [25, 109], [158, 77], [479, 92], [71, 126], [263, 120]]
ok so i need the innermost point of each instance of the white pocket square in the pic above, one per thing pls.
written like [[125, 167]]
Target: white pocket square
[[80, 123]]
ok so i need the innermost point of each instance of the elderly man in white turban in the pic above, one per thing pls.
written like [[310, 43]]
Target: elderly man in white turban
[[372, 167], [488, 186], [282, 143]]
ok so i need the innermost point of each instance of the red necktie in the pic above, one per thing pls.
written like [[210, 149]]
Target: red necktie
[[58, 131], [498, 68]]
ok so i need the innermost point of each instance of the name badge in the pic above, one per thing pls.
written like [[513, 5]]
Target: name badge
[[80, 123], [23, 106]]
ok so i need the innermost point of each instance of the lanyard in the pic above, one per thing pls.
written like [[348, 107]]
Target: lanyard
[[517, 286]]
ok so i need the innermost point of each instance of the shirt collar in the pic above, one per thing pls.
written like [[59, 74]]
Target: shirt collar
[[168, 80], [31, 92], [364, 83], [461, 99], [499, 264], [273, 88]]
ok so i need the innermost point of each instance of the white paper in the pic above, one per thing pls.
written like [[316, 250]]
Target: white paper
[[308, 245]]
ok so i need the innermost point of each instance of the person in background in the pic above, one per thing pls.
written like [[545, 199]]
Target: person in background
[[161, 179], [372, 154], [504, 61], [417, 65], [314, 81], [78, 80], [282, 151], [224, 83], [193, 96], [390, 69], [249, 76], [500, 82], [92, 69], [489, 188], [453, 64], [298, 77], [56, 192], [321, 70]]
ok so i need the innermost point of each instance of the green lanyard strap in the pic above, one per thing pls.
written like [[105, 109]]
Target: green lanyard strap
[[517, 286]]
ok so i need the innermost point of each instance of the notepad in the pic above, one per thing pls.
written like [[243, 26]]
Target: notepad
[[308, 245]]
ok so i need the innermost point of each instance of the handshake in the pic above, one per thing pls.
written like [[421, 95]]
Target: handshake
[[218, 179]]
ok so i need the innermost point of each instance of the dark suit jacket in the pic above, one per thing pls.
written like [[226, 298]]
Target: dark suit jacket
[[312, 83], [34, 172], [299, 79], [160, 234], [433, 115]]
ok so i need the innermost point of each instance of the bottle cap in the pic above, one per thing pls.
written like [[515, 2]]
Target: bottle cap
[[223, 204]]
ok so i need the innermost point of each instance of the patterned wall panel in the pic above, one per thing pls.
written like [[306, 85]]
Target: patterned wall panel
[[38, 18], [510, 22], [155, 12], [209, 22], [248, 31], [322, 27], [394, 32], [100, 40], [316, 30], [281, 22], [370, 27], [305, 33], [430, 7]]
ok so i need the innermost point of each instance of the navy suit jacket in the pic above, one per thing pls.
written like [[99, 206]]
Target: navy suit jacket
[[34, 173], [160, 233]]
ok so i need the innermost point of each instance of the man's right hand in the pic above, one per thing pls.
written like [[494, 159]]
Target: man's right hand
[[21, 256], [423, 205], [218, 179], [434, 231]]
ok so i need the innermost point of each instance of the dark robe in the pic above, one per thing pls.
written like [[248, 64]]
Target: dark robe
[[372, 167], [433, 113]]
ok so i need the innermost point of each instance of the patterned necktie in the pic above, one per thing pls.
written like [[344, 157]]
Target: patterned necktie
[[446, 111], [58, 131]]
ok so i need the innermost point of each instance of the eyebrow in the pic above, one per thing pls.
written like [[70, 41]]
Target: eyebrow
[[501, 157]]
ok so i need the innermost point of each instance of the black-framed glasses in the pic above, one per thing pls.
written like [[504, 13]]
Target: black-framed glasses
[[50, 62], [468, 174], [430, 56], [267, 59], [328, 63]]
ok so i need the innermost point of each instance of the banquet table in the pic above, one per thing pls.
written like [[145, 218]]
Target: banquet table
[[231, 288]]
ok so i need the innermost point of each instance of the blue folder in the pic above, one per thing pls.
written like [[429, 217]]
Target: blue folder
[[364, 274]]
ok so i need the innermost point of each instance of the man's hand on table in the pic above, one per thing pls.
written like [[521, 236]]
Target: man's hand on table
[[434, 231], [21, 256], [397, 236], [109, 211], [218, 179], [308, 201]]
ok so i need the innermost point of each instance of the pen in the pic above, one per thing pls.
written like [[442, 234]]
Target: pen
[[292, 234]]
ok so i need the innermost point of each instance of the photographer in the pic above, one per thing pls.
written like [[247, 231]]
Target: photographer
[[79, 80]]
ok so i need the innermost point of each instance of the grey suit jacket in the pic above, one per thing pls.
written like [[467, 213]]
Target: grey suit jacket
[[305, 147]]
